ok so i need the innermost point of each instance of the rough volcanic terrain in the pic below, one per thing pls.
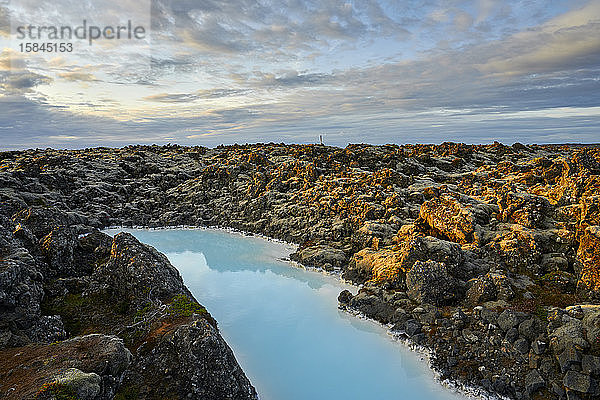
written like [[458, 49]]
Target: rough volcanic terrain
[[487, 255]]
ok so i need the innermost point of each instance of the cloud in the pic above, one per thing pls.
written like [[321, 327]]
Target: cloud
[[290, 79], [172, 97], [22, 82], [26, 123], [4, 20], [463, 20], [569, 41], [56, 62], [215, 37], [75, 76], [190, 97], [10, 60], [243, 26], [485, 9]]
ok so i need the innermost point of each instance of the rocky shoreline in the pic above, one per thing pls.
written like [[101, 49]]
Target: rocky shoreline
[[487, 256]]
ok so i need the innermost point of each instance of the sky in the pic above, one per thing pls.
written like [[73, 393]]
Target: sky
[[210, 72]]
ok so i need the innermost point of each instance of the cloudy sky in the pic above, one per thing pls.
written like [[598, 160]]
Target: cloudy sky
[[235, 71]]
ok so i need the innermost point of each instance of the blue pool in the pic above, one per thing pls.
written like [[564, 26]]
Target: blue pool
[[284, 326]]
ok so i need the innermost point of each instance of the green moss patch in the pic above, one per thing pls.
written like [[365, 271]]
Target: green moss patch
[[70, 307], [56, 391], [183, 306]]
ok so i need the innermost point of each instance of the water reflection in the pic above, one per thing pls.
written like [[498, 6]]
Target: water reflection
[[231, 252]]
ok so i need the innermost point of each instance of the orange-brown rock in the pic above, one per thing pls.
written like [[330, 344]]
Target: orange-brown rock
[[589, 259], [517, 248], [383, 265], [523, 209], [449, 218], [391, 265], [590, 212]]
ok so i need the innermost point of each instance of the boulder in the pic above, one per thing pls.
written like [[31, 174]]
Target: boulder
[[136, 272], [58, 248], [488, 315], [512, 335], [591, 325], [524, 209], [521, 345], [43, 220], [20, 295], [532, 328], [590, 212], [92, 366], [412, 327], [579, 382], [482, 289], [321, 256], [510, 319], [373, 306], [345, 297], [383, 265], [568, 335], [391, 265], [520, 249], [450, 219], [534, 382], [430, 282], [199, 362], [374, 231], [489, 287], [569, 359], [85, 385], [21, 292], [590, 365]]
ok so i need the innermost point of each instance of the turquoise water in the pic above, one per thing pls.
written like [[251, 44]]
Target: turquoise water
[[283, 324]]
